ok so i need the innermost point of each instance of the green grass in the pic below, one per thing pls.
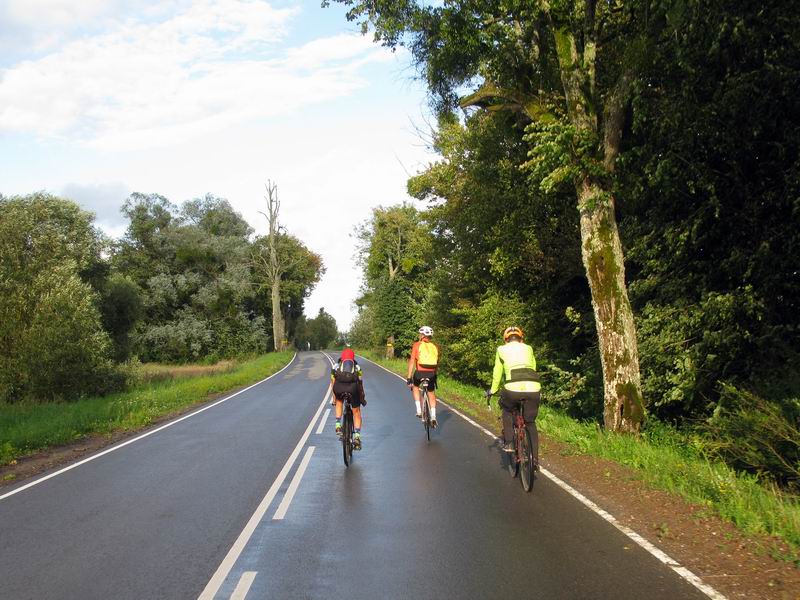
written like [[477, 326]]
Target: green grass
[[663, 457], [27, 428]]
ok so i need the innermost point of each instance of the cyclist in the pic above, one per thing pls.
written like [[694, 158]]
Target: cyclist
[[346, 377], [423, 363], [515, 365]]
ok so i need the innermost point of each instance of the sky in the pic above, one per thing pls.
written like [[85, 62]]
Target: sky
[[101, 98]]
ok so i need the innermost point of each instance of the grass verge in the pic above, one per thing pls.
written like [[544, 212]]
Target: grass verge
[[664, 458], [152, 372], [27, 427]]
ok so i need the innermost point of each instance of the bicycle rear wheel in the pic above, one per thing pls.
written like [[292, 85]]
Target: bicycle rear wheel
[[526, 460], [426, 415], [347, 438]]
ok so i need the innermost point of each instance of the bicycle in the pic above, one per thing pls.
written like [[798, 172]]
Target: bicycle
[[426, 406], [520, 462], [348, 429]]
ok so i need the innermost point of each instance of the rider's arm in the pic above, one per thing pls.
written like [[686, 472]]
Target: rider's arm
[[412, 360], [497, 374]]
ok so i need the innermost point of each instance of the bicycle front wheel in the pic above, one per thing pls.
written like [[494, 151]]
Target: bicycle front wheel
[[526, 462]]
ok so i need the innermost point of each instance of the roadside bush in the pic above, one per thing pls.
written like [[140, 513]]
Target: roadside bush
[[184, 339], [59, 350], [757, 435], [121, 307], [191, 339], [239, 336], [686, 348]]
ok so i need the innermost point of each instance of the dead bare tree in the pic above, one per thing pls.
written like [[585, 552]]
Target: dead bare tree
[[273, 266]]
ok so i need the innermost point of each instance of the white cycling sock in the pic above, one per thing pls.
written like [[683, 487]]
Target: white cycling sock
[[419, 407], [433, 413]]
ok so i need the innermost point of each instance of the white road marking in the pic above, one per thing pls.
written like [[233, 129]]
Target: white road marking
[[323, 420], [140, 437], [681, 571], [227, 563], [240, 593], [290, 492]]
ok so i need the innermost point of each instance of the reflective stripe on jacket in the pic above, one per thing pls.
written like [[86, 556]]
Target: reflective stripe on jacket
[[515, 365]]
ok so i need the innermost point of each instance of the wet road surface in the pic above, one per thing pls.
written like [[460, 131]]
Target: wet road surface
[[250, 498]]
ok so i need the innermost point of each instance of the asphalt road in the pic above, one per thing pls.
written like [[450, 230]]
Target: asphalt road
[[250, 498]]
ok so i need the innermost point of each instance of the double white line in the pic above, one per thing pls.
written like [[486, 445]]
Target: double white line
[[230, 559]]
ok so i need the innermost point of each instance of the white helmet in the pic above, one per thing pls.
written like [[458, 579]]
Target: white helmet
[[426, 331]]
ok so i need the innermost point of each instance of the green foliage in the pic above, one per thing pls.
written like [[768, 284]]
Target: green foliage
[[62, 352], [53, 344], [470, 350], [756, 435], [180, 286], [121, 308], [363, 333], [318, 333]]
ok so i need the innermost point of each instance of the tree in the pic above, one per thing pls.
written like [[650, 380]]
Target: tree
[[272, 264], [566, 69], [393, 249], [52, 344], [319, 332]]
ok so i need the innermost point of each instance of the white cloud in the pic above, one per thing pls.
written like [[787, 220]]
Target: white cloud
[[104, 200], [43, 14], [200, 70]]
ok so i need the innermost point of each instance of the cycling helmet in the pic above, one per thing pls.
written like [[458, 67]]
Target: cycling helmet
[[512, 331], [426, 331], [348, 354]]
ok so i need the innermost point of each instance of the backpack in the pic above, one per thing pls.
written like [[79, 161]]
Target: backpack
[[427, 355], [346, 371]]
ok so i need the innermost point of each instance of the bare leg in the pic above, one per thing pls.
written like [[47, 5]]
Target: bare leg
[[415, 394], [338, 409], [357, 417]]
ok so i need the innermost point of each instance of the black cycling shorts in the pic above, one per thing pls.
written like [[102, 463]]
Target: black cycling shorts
[[352, 388], [429, 375]]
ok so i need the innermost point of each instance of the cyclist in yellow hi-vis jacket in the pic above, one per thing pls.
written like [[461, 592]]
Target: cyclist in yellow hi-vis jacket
[[515, 367]]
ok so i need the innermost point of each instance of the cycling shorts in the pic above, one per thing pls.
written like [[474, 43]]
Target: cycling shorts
[[430, 375], [352, 388]]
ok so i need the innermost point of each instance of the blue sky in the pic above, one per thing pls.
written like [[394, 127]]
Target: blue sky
[[105, 97]]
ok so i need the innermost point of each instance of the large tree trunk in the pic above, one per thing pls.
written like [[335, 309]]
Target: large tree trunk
[[601, 248], [277, 316], [616, 332]]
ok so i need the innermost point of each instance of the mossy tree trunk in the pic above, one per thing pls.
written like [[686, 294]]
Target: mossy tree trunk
[[600, 243], [616, 333]]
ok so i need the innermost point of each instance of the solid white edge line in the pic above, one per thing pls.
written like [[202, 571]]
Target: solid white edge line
[[681, 571], [240, 593], [140, 437], [323, 420], [295, 483], [216, 581]]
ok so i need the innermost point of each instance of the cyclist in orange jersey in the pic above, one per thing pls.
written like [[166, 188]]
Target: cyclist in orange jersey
[[424, 363]]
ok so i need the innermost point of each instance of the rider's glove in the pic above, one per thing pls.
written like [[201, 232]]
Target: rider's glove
[[409, 381], [488, 394]]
